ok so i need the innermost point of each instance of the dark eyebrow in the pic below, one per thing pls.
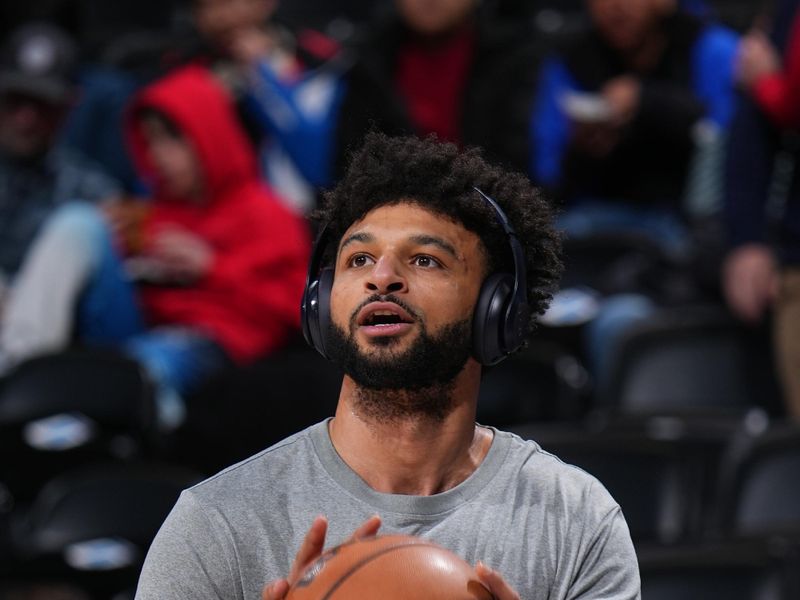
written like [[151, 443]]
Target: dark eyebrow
[[425, 240], [420, 239], [364, 238]]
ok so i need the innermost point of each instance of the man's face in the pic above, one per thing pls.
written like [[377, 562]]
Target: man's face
[[434, 17], [28, 126], [406, 284], [625, 24], [221, 22], [174, 159]]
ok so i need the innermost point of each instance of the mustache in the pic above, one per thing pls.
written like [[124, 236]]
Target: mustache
[[385, 298]]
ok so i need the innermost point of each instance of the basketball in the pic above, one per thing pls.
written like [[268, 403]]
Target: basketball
[[389, 567]]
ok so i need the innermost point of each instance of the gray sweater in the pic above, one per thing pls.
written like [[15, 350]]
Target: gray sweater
[[550, 529]]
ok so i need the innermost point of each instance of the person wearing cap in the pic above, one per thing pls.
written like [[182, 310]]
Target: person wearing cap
[[37, 176]]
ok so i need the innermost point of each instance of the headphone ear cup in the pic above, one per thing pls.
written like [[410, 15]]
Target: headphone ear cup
[[316, 311], [489, 319]]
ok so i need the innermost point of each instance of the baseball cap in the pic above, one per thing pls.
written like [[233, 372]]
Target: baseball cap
[[39, 60]]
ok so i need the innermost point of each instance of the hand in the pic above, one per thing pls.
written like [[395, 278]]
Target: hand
[[251, 44], [756, 58], [184, 255], [125, 217], [750, 281], [495, 583], [310, 550], [622, 94]]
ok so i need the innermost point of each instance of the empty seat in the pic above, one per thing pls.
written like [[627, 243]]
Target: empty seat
[[542, 382], [61, 410], [759, 491], [689, 359], [91, 527], [730, 571]]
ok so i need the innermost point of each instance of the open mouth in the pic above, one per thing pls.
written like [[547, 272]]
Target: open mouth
[[379, 319], [384, 317]]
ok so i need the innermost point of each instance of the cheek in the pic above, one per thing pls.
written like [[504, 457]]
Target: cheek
[[340, 306]]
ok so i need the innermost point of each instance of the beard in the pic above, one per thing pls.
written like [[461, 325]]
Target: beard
[[397, 384]]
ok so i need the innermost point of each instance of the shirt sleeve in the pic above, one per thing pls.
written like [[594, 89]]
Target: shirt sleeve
[[189, 559], [609, 569]]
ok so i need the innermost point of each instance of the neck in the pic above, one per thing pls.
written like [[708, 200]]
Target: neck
[[415, 455]]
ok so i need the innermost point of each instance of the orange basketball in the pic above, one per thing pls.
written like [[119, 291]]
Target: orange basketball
[[389, 567]]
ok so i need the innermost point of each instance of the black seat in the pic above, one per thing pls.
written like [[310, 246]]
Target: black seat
[[687, 359], [66, 409], [541, 382], [760, 485], [91, 527], [731, 571]]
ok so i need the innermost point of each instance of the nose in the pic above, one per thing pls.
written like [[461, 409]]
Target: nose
[[386, 278]]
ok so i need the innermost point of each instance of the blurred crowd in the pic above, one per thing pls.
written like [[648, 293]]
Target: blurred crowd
[[157, 163]]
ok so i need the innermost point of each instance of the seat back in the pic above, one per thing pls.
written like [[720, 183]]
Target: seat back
[[541, 382], [92, 526], [681, 360], [62, 410], [760, 486]]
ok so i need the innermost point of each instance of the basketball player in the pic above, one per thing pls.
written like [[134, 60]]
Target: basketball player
[[431, 265]]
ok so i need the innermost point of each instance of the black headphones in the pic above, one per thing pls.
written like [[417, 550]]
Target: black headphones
[[499, 322]]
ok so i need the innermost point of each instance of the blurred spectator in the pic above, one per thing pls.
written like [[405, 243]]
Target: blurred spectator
[[238, 39], [620, 116], [617, 113], [229, 37], [443, 67], [220, 261], [763, 200], [36, 177]]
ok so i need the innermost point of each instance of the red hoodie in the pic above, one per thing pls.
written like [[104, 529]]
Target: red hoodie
[[249, 300]]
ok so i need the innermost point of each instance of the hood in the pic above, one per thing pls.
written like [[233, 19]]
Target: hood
[[205, 113]]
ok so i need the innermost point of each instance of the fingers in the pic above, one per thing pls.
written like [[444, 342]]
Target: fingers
[[314, 542], [367, 528], [495, 582], [275, 590], [311, 547]]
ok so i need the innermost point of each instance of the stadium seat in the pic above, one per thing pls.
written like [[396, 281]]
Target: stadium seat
[[760, 485], [542, 382], [91, 527], [687, 359], [731, 571], [62, 410]]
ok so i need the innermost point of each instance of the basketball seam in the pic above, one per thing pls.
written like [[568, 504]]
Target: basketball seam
[[366, 560]]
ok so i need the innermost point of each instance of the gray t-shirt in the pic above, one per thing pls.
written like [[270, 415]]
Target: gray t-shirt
[[550, 529]]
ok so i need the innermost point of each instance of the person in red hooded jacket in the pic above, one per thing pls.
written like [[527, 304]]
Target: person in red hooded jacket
[[219, 260]]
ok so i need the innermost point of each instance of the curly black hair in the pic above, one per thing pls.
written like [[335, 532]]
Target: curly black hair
[[441, 178]]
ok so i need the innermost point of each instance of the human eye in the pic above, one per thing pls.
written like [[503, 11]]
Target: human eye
[[359, 260], [425, 261]]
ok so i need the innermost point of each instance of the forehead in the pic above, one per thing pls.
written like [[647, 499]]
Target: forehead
[[406, 220]]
